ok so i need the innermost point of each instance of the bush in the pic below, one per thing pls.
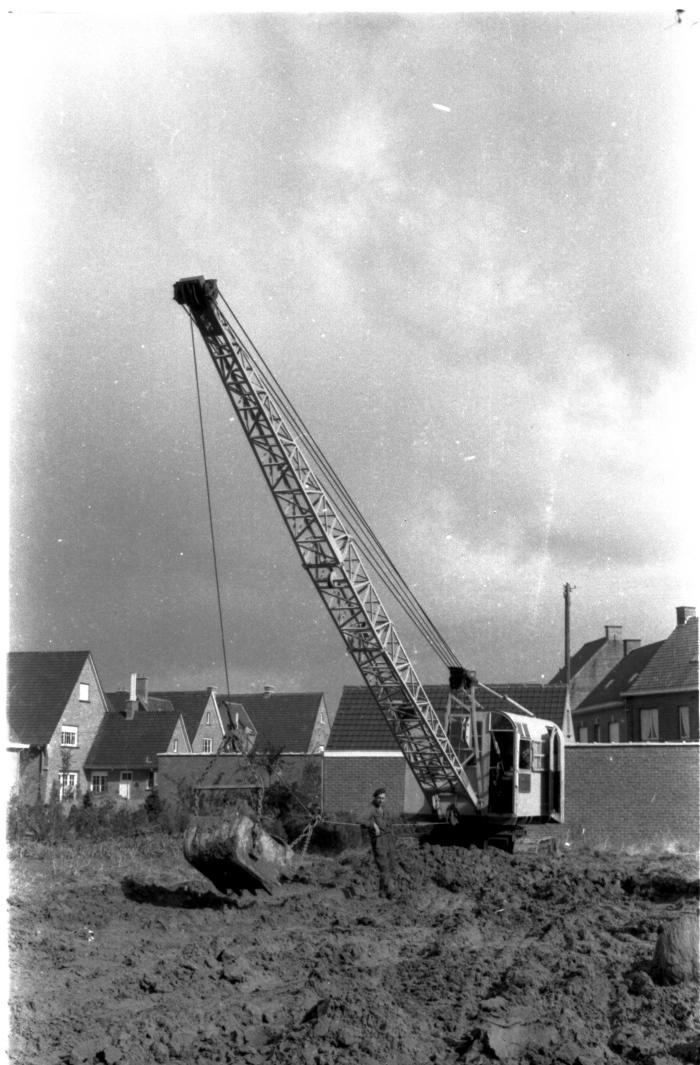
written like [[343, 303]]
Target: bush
[[153, 806], [42, 822]]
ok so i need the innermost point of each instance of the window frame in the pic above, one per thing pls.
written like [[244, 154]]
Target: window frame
[[67, 787], [83, 692], [684, 735], [538, 756], [207, 745], [614, 725], [69, 731], [95, 788], [653, 720], [583, 734]]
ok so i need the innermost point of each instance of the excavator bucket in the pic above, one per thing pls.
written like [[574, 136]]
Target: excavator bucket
[[236, 853]]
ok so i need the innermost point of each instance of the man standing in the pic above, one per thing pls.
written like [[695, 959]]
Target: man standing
[[382, 841]]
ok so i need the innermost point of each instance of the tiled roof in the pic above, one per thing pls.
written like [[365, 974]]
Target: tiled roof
[[39, 684], [190, 704], [359, 724], [128, 743], [281, 719], [579, 659], [619, 678], [674, 667], [118, 701]]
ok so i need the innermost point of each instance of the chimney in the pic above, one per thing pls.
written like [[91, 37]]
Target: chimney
[[211, 690], [629, 645], [142, 688], [613, 632], [684, 613], [130, 710], [268, 690], [132, 688]]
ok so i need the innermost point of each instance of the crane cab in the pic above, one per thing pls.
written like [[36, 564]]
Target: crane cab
[[524, 756]]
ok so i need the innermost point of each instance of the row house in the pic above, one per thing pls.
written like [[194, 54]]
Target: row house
[[65, 732], [651, 695], [123, 760], [592, 663], [294, 722]]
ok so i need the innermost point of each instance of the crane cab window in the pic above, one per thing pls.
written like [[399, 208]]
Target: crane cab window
[[533, 756]]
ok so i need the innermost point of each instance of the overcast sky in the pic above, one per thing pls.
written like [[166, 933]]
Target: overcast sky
[[462, 244]]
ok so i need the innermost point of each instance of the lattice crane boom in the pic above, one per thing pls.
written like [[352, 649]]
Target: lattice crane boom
[[329, 553]]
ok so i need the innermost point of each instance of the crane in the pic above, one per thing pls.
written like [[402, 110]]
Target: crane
[[334, 552]]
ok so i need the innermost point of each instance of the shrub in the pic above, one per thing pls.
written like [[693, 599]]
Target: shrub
[[153, 806], [42, 822]]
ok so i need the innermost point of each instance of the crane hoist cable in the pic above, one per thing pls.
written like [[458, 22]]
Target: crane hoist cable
[[362, 531], [209, 506]]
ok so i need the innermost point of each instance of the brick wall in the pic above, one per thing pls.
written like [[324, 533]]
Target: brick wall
[[618, 794], [349, 782], [634, 793]]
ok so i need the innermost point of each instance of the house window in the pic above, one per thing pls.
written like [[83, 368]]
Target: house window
[[98, 783], [583, 734], [69, 736], [151, 782], [596, 733], [206, 746], [614, 732], [208, 719], [67, 783], [649, 725], [175, 743], [84, 693], [684, 722]]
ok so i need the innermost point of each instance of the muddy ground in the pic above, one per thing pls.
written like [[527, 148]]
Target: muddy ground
[[127, 956]]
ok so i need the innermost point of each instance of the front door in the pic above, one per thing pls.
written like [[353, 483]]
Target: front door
[[125, 784]]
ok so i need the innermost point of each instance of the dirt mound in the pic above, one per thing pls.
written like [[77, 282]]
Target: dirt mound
[[483, 957]]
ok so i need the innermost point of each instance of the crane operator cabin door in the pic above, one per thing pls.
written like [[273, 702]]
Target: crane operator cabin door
[[501, 765]]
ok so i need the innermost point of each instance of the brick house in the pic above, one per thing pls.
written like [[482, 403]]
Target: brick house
[[662, 702], [362, 753], [602, 716], [294, 722], [593, 661], [55, 707], [201, 715], [651, 695], [123, 760]]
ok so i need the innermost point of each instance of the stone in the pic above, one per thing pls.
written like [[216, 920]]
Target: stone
[[677, 955]]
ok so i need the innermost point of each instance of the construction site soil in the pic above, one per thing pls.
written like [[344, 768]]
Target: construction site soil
[[123, 956]]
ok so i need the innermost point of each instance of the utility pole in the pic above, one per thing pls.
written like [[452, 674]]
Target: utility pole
[[567, 633]]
